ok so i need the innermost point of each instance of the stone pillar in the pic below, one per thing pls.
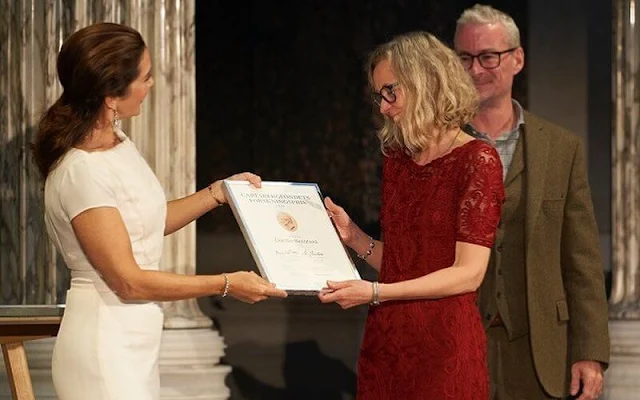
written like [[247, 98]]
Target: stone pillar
[[32, 32], [165, 134], [623, 376], [27, 265]]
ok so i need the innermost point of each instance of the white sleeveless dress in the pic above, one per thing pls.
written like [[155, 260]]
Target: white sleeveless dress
[[106, 348]]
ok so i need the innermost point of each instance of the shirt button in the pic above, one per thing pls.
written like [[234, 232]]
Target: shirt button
[[498, 295], [499, 271], [488, 317]]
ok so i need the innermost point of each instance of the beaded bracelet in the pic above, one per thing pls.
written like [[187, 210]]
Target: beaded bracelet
[[366, 255], [225, 291], [218, 202], [375, 297]]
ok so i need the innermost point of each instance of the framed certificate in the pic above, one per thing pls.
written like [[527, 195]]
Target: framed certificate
[[290, 235]]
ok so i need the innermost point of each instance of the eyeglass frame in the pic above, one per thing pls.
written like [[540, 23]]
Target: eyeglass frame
[[499, 54], [377, 97]]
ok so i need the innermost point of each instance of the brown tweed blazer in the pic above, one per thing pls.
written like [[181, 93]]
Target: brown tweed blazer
[[566, 301]]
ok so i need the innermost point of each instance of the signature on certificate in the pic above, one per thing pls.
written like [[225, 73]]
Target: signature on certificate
[[294, 252]]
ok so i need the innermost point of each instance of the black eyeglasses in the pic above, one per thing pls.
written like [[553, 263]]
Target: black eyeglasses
[[386, 93], [487, 59]]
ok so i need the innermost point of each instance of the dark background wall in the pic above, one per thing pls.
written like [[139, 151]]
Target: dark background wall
[[281, 91]]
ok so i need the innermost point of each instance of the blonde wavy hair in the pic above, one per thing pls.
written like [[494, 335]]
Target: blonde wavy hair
[[439, 94]]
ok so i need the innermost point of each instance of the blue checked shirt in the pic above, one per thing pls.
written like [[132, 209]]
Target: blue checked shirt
[[505, 144]]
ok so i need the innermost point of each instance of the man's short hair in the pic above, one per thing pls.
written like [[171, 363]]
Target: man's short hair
[[483, 14]]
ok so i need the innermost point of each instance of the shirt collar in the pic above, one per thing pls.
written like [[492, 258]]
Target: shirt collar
[[513, 133], [520, 112]]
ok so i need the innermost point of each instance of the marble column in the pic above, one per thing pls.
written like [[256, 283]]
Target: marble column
[[165, 134], [28, 272], [623, 376], [31, 33]]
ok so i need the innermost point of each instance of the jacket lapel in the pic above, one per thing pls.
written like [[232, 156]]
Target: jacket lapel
[[536, 152], [511, 190], [517, 163]]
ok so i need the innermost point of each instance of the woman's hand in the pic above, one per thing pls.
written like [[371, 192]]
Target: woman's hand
[[218, 193], [345, 226], [251, 288], [347, 293]]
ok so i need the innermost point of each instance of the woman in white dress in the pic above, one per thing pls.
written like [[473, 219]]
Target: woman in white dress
[[107, 215]]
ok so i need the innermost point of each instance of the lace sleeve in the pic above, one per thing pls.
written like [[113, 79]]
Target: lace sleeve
[[482, 194]]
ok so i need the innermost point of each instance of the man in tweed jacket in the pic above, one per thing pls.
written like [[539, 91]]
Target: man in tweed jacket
[[543, 298]]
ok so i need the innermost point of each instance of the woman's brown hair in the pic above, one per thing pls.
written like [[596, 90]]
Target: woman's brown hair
[[96, 62]]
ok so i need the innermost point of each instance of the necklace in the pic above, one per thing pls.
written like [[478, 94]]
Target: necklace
[[427, 161], [116, 141], [452, 142]]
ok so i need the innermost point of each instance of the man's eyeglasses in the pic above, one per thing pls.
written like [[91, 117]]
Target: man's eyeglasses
[[386, 93], [487, 59]]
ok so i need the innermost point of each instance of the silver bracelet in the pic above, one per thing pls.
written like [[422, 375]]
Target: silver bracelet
[[366, 255], [375, 297], [225, 291]]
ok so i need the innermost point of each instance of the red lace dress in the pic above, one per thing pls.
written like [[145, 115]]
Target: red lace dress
[[431, 349]]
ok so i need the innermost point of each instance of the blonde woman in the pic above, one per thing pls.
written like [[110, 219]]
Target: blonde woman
[[442, 194]]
